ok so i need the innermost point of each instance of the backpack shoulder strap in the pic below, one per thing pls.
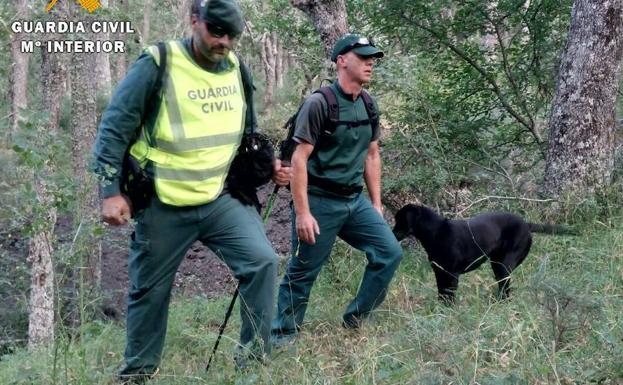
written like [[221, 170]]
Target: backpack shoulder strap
[[373, 114], [333, 108], [155, 97], [162, 52], [153, 105], [288, 144], [248, 88]]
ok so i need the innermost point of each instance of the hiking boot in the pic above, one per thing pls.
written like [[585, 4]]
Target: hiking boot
[[139, 378], [241, 362], [280, 341], [352, 322], [244, 357]]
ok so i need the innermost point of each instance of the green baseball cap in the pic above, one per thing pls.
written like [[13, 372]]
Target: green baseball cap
[[359, 44], [224, 15]]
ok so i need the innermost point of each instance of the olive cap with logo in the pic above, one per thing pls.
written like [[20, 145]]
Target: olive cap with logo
[[225, 14], [358, 44]]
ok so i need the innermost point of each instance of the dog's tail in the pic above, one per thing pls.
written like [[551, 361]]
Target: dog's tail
[[552, 229]]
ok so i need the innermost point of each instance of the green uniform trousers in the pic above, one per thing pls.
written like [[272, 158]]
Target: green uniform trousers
[[162, 236], [358, 223]]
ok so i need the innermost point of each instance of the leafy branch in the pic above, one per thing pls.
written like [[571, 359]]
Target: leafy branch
[[527, 123]]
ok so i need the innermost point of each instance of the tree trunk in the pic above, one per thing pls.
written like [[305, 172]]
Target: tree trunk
[[121, 66], [307, 88], [84, 128], [580, 155], [19, 72], [268, 63], [329, 18], [279, 62], [40, 253], [489, 40], [41, 302], [53, 86], [119, 59], [103, 82], [146, 23], [183, 19]]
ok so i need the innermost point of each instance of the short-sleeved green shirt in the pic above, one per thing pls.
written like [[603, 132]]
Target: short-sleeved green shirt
[[338, 157]]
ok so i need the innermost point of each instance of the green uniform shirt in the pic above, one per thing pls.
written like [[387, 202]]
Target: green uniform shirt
[[340, 156], [129, 105]]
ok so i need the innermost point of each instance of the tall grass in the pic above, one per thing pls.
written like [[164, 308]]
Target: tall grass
[[563, 325]]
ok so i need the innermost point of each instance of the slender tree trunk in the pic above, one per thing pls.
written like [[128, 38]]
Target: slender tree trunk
[[53, 85], [489, 40], [183, 16], [307, 88], [41, 249], [103, 78], [119, 59], [290, 61], [19, 72], [580, 154], [146, 22], [84, 128], [279, 62], [268, 63], [121, 66], [41, 302]]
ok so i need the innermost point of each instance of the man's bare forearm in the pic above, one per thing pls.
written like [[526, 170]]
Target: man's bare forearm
[[299, 180], [372, 174]]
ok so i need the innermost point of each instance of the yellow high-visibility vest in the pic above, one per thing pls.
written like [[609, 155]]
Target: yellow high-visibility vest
[[197, 131]]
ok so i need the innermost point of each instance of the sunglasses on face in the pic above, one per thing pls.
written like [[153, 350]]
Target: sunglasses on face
[[218, 31], [361, 42]]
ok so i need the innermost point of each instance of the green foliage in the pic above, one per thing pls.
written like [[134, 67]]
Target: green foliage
[[39, 156], [465, 90], [50, 164]]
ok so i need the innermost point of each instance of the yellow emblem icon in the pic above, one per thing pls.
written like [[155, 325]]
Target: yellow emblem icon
[[89, 5]]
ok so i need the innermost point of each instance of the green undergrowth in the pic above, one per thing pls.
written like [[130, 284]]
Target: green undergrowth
[[562, 326]]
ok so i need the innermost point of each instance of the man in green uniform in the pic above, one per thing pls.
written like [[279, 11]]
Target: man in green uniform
[[187, 145], [329, 166]]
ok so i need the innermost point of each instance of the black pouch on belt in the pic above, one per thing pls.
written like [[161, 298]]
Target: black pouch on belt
[[136, 184], [251, 168]]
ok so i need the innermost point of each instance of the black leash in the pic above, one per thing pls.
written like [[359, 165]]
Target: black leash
[[269, 208]]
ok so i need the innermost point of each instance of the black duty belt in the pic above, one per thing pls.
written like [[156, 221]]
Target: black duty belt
[[333, 187]]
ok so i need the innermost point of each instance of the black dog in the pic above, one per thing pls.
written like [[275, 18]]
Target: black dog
[[455, 247]]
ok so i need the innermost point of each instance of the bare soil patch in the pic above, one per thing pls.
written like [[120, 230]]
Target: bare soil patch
[[201, 273]]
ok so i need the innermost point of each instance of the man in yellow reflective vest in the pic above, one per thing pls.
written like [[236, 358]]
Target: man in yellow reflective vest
[[186, 146]]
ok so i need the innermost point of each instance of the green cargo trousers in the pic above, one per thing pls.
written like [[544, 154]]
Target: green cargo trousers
[[162, 236], [358, 223]]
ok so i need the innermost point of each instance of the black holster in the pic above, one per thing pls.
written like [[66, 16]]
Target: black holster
[[136, 184]]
